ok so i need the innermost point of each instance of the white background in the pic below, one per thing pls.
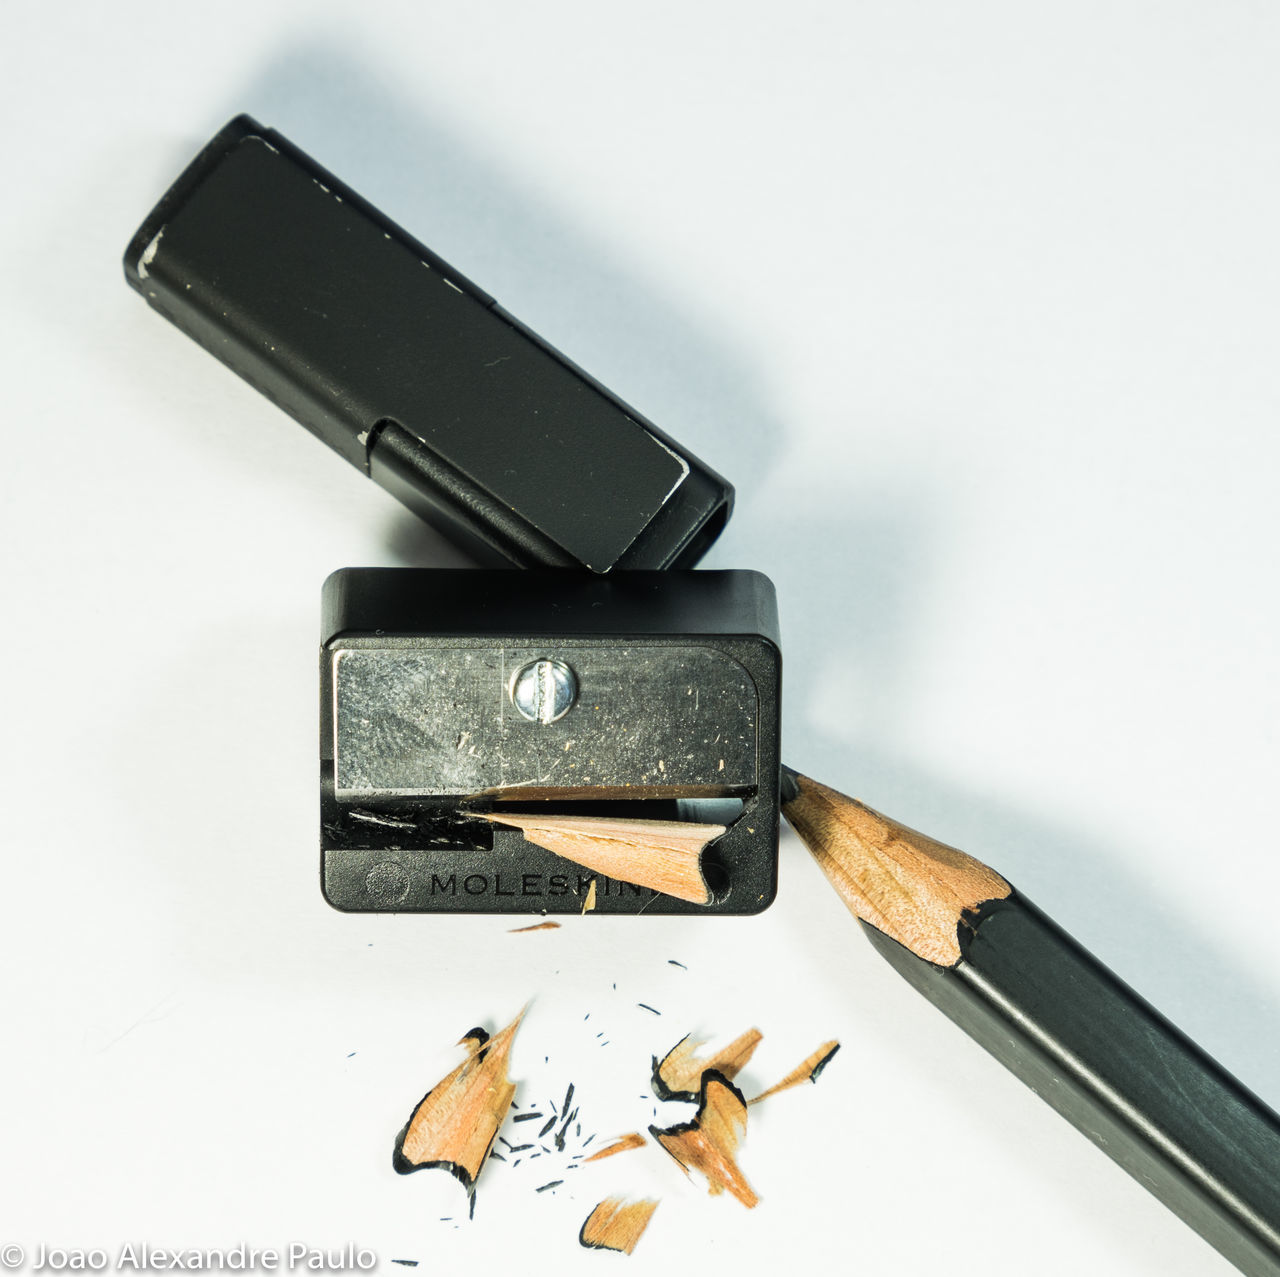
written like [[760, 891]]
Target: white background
[[978, 306]]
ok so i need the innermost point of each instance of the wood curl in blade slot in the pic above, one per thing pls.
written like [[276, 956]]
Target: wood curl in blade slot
[[673, 857]]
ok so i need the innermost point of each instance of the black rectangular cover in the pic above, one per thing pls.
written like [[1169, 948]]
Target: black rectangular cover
[[409, 371]]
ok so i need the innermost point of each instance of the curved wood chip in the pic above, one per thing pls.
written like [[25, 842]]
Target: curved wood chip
[[456, 1122], [711, 1141], [617, 1224], [664, 855], [678, 1075]]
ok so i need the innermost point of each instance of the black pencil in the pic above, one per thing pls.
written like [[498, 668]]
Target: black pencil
[[1050, 1012]]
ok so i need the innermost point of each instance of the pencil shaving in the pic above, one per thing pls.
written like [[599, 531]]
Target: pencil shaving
[[590, 902], [806, 1071], [678, 1075], [537, 926], [709, 1144], [624, 1142], [617, 1224], [454, 1126], [663, 855]]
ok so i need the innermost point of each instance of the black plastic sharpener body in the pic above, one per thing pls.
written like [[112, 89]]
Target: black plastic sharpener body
[[412, 373], [664, 705]]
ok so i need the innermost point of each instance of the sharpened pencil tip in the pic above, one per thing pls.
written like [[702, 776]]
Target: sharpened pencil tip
[[789, 786], [904, 883]]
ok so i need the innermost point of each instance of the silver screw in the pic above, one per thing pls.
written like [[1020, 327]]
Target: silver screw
[[544, 690]]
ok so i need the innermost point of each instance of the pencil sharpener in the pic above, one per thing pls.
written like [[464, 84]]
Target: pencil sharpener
[[639, 694]]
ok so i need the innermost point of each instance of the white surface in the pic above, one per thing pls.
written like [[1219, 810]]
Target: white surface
[[977, 305]]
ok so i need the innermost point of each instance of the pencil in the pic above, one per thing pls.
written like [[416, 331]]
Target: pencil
[[1052, 1014]]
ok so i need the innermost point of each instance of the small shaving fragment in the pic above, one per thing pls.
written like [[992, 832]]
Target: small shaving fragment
[[385, 821], [563, 1132], [473, 1040], [537, 926], [617, 1224], [624, 1142], [678, 1075], [806, 1071], [663, 855], [456, 1122], [590, 902], [710, 1142]]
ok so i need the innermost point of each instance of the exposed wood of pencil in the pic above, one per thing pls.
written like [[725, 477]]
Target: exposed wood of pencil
[[622, 1144], [665, 855], [904, 883], [454, 1125], [710, 1142], [806, 1071], [617, 1224], [678, 1075]]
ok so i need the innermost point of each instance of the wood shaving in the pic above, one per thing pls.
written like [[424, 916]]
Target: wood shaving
[[663, 855], [455, 1124], [473, 1040], [624, 1142], [617, 1224], [678, 1075], [710, 1142], [806, 1071]]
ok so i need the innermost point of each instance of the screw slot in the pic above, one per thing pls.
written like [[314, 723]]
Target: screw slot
[[544, 690]]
